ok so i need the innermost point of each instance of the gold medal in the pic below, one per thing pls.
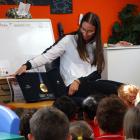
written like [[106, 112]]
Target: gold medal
[[43, 88]]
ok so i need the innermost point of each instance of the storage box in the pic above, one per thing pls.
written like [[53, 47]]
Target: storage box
[[5, 95], [10, 90]]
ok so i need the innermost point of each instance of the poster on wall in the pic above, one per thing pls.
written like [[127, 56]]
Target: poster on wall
[[32, 2], [61, 6], [40, 2], [56, 6], [4, 2]]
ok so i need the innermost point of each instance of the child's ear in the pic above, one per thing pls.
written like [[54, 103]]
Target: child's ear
[[30, 136], [95, 121]]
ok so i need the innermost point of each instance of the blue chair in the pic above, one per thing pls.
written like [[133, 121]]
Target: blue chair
[[9, 121]]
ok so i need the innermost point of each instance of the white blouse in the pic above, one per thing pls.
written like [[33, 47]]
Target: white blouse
[[71, 65]]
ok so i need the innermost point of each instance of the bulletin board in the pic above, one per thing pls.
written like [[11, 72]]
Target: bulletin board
[[23, 39]]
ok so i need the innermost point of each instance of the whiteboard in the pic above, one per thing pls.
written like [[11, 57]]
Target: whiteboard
[[23, 39]]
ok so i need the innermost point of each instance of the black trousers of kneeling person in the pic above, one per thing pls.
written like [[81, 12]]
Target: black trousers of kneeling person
[[89, 85], [92, 84]]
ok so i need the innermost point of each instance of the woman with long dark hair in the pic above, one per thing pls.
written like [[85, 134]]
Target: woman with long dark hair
[[81, 57]]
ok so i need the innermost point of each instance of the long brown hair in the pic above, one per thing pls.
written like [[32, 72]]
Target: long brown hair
[[81, 45]]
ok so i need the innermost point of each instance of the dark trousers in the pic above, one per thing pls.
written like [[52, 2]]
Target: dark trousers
[[89, 85], [92, 84], [105, 87]]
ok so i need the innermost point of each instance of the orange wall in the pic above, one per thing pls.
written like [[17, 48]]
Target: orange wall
[[106, 9]]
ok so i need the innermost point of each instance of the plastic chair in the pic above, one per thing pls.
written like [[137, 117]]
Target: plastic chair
[[9, 121]]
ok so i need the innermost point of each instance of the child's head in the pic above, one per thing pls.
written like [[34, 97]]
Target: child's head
[[132, 123], [24, 123], [110, 114], [80, 130], [89, 105], [49, 123], [66, 105], [128, 94]]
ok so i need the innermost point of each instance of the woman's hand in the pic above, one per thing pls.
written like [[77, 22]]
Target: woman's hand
[[74, 87], [21, 70]]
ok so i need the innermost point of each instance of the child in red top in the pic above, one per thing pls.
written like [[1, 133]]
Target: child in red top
[[109, 116], [89, 106]]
